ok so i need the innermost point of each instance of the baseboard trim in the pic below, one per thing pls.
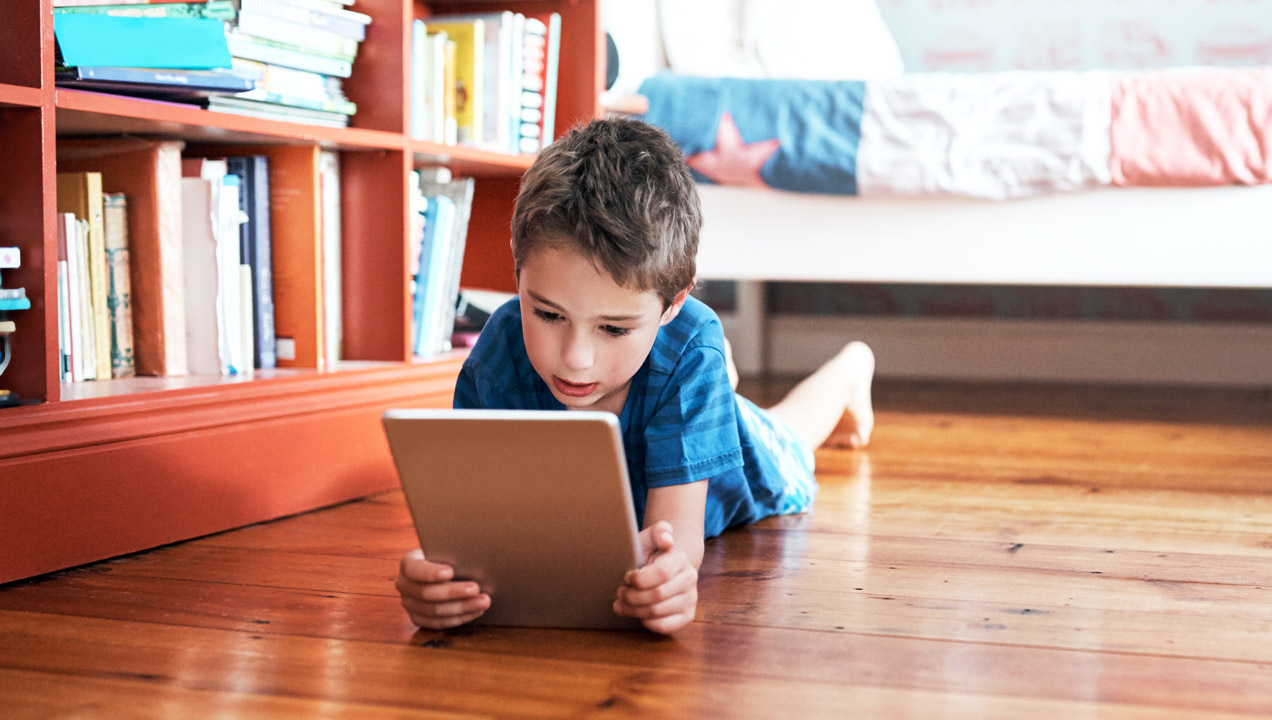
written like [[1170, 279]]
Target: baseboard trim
[[1214, 354]]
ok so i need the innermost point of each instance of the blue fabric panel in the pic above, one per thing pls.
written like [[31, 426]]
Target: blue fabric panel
[[816, 122]]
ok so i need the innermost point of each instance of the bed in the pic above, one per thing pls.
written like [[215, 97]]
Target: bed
[[1158, 178]]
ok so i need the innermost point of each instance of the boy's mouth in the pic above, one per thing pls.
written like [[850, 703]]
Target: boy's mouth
[[573, 389]]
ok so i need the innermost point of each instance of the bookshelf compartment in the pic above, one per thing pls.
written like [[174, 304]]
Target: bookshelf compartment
[[377, 317]]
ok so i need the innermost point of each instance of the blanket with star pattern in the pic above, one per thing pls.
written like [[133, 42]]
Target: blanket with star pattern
[[985, 135]]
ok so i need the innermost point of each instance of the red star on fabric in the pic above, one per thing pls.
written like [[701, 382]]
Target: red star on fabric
[[733, 161]]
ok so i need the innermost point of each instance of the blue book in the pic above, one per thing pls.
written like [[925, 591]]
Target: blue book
[[430, 284], [255, 250], [19, 303], [145, 42]]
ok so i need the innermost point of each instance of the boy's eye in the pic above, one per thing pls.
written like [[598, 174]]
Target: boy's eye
[[546, 316], [615, 331]]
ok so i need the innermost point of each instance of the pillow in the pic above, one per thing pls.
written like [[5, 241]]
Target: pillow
[[810, 39]]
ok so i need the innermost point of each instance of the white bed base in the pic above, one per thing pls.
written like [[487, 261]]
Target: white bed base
[[1147, 237]]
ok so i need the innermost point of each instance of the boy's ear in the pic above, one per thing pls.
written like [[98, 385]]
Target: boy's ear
[[674, 309]]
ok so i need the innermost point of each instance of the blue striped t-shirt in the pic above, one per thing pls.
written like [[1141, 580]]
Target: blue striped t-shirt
[[681, 421]]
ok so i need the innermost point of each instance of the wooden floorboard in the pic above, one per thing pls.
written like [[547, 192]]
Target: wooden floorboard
[[999, 552]]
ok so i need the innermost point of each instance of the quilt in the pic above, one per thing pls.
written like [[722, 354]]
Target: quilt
[[985, 135]]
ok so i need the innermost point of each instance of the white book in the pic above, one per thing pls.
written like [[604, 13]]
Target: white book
[[229, 298], [333, 309], [82, 319], [202, 352]]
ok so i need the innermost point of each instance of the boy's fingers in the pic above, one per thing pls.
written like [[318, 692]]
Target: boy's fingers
[[662, 568], [415, 567], [680, 584], [679, 604], [434, 612]]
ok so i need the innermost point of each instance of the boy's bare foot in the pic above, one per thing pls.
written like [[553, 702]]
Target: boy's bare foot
[[856, 361]]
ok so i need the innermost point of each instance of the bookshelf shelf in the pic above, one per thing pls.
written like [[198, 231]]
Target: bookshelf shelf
[[100, 468], [98, 114]]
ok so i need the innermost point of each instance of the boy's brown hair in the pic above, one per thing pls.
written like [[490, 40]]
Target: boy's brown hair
[[618, 192]]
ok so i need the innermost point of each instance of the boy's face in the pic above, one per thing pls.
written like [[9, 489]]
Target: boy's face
[[585, 334]]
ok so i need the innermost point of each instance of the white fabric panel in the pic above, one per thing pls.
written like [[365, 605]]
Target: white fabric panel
[[991, 135]]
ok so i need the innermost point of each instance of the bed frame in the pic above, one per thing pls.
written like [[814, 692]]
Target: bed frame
[[1149, 237]]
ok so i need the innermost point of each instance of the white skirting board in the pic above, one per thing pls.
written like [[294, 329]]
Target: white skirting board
[[1211, 354]]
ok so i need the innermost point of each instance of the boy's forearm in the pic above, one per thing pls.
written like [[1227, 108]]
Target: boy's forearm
[[684, 506]]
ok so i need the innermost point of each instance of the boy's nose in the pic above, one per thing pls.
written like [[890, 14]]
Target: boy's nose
[[578, 353]]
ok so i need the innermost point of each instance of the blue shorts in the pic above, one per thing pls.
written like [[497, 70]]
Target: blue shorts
[[791, 457]]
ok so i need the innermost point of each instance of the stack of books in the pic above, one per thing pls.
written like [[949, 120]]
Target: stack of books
[[276, 59], [487, 79], [298, 52], [441, 207], [10, 299]]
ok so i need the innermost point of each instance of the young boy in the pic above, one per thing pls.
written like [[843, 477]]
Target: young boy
[[604, 241]]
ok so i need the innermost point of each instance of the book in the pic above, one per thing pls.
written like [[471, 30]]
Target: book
[[428, 83], [119, 285], [152, 83], [304, 36], [201, 276], [541, 67], [81, 193], [254, 242], [439, 217], [63, 305], [218, 9], [193, 43], [287, 55], [327, 17], [83, 352], [469, 37], [332, 257], [272, 111], [149, 173]]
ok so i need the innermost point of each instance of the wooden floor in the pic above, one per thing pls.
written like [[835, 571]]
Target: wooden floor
[[1000, 552]]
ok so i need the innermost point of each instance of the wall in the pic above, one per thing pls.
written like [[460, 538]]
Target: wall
[[980, 35]]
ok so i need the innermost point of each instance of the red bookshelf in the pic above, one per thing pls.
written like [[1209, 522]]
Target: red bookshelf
[[93, 470]]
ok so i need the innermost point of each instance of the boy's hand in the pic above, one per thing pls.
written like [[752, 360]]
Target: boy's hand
[[431, 597], [663, 593]]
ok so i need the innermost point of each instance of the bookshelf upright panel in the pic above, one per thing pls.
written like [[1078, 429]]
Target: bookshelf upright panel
[[26, 222]]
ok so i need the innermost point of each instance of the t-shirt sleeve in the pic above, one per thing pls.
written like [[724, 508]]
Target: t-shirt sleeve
[[693, 434]]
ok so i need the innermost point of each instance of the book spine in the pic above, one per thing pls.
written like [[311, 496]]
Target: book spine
[[119, 291], [215, 9], [251, 48], [260, 257], [333, 306], [303, 36]]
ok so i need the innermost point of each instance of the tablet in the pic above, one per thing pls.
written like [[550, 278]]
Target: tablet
[[533, 505]]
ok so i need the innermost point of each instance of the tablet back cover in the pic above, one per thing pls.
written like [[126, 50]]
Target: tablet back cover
[[535, 506]]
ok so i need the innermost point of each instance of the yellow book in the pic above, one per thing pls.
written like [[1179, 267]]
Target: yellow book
[[469, 37], [81, 193]]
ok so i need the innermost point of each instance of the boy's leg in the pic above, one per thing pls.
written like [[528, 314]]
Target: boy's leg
[[832, 406]]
